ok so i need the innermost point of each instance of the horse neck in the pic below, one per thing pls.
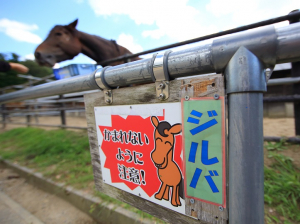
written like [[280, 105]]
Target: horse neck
[[94, 47]]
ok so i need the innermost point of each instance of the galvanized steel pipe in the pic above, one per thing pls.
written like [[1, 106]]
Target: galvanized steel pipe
[[283, 81], [270, 45], [71, 85], [246, 82]]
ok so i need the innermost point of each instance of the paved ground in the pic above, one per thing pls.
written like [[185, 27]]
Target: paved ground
[[13, 213], [21, 203]]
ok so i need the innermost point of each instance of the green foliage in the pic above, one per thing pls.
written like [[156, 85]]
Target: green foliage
[[15, 57], [2, 57], [276, 146], [10, 78], [92, 208], [282, 187], [272, 219], [37, 70]]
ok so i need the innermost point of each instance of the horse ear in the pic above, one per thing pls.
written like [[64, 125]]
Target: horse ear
[[175, 129], [154, 121], [72, 25]]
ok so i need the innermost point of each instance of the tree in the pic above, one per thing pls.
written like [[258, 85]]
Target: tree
[[37, 70], [2, 57], [10, 78]]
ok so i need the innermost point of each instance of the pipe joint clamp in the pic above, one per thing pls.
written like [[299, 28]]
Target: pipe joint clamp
[[100, 80], [161, 75]]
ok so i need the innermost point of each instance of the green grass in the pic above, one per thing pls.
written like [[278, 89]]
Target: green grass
[[282, 186], [64, 156], [61, 155], [276, 146]]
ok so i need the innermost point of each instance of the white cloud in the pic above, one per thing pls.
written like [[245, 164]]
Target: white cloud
[[155, 34], [246, 12], [19, 31], [174, 19], [127, 41], [28, 57], [180, 21], [137, 10]]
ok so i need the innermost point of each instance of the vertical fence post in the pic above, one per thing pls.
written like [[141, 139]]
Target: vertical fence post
[[28, 116], [62, 112], [245, 83], [3, 116], [3, 113], [296, 87], [36, 115]]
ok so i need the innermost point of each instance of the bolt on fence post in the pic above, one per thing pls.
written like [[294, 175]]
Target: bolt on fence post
[[245, 83], [28, 116], [3, 116], [62, 112], [3, 113]]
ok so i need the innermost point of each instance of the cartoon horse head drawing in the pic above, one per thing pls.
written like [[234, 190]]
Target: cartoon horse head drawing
[[162, 157]]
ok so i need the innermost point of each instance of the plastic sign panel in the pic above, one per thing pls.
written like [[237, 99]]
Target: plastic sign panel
[[204, 149], [141, 151]]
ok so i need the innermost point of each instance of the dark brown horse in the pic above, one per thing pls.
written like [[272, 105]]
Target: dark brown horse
[[66, 42]]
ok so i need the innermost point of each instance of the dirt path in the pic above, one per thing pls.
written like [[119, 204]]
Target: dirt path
[[279, 127], [46, 207], [272, 126]]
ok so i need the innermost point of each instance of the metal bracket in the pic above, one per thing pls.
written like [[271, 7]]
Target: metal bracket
[[162, 90], [160, 72], [108, 96], [243, 75], [99, 78]]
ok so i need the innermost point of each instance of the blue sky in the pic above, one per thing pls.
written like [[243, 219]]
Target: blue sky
[[136, 24]]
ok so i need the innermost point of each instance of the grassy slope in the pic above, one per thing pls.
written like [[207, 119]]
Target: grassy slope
[[61, 155], [64, 156]]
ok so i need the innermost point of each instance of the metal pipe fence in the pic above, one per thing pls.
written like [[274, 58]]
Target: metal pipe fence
[[53, 109], [271, 45], [243, 58]]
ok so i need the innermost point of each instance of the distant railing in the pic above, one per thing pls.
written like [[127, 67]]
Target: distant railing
[[56, 107], [51, 107]]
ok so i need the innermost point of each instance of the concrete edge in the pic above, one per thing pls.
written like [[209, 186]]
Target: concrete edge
[[98, 209]]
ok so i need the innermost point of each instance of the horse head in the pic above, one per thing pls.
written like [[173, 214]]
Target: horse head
[[164, 142], [61, 44]]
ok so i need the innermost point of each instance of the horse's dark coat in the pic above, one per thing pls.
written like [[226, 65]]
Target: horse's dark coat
[[66, 42]]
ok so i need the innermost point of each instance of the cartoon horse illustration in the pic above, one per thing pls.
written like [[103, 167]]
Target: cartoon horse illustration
[[162, 157]]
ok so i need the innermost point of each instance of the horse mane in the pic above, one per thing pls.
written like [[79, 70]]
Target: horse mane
[[99, 48], [161, 127]]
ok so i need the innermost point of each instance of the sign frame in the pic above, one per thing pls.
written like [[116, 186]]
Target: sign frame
[[221, 99], [201, 86]]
